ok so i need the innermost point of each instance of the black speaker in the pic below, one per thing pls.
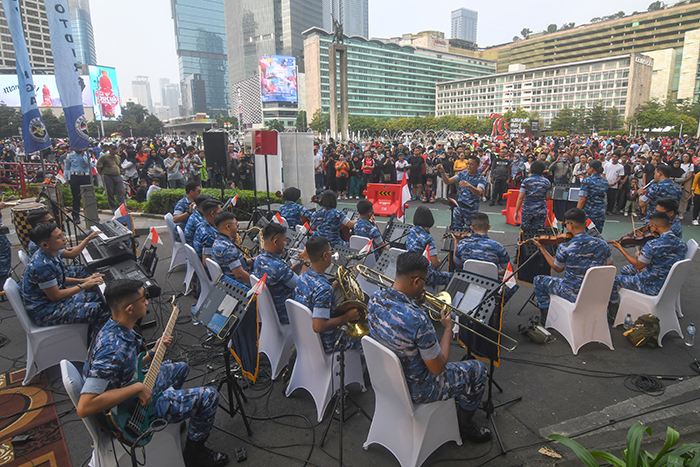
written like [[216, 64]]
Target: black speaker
[[215, 147]]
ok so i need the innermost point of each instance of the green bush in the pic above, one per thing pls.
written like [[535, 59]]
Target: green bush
[[565, 134], [613, 133], [163, 201]]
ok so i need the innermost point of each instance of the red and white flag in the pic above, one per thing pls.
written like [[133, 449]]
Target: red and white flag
[[405, 198], [280, 220], [154, 237], [590, 224], [509, 274], [258, 287], [234, 200], [553, 221], [121, 211], [60, 177], [305, 228], [426, 252], [367, 248]]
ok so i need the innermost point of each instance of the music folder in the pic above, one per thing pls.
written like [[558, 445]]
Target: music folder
[[223, 309]]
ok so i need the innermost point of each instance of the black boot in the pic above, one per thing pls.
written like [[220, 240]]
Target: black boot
[[492, 202], [198, 455], [612, 312], [468, 428], [543, 316]]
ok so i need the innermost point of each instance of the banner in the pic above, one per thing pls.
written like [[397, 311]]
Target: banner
[[105, 93], [45, 90], [278, 78], [68, 81], [34, 133]]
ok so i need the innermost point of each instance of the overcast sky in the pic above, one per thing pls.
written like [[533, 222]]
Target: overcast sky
[[138, 37]]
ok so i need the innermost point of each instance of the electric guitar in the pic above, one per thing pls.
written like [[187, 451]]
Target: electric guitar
[[130, 420]]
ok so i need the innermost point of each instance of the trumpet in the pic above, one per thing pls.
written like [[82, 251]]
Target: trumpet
[[248, 252], [438, 304]]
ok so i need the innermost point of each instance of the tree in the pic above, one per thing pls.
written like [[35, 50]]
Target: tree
[[564, 120], [275, 125], [525, 33], [301, 121], [566, 26], [320, 121], [596, 117], [221, 119], [10, 121], [55, 127], [134, 112], [552, 28], [516, 38], [656, 6], [612, 119]]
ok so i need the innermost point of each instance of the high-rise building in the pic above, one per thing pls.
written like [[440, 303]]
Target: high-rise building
[[83, 37], [200, 32], [36, 33], [141, 89], [464, 24], [352, 14]]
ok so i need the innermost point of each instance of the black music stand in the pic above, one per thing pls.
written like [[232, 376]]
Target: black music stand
[[535, 267]]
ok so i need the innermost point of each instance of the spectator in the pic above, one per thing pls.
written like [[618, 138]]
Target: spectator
[[342, 169], [108, 166], [155, 186], [401, 167]]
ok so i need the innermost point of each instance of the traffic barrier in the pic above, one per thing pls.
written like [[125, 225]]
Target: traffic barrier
[[386, 199], [511, 201]]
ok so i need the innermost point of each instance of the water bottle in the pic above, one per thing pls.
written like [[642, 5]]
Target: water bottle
[[628, 322], [690, 335]]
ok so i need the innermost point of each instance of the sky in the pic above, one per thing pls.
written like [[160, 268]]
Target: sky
[[138, 37]]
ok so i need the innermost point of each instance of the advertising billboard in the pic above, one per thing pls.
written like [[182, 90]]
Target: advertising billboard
[[105, 93], [46, 91], [278, 78]]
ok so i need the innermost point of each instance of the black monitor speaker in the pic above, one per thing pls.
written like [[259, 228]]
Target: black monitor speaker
[[215, 149]]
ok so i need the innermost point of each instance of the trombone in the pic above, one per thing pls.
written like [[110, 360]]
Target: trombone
[[436, 305]]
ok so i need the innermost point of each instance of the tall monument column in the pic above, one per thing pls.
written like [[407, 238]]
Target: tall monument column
[[338, 51]]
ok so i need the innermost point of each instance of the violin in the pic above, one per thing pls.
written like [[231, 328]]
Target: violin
[[459, 235], [638, 237], [278, 194], [549, 240]]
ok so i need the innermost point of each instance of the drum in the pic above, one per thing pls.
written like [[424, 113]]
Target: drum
[[19, 219]]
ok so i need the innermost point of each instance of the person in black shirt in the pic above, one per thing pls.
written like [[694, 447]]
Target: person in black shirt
[[415, 178], [500, 173]]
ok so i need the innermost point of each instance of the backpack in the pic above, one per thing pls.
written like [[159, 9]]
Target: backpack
[[645, 331]]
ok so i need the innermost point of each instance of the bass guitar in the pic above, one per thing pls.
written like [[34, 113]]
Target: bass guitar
[[131, 421]]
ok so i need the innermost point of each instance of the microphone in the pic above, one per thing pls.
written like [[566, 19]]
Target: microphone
[[343, 329]]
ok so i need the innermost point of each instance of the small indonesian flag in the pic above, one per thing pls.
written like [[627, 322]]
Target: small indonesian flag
[[553, 220], [589, 223], [367, 248], [258, 287], [280, 220], [154, 237], [510, 276], [60, 177], [405, 198], [426, 252], [121, 211], [305, 228], [234, 200]]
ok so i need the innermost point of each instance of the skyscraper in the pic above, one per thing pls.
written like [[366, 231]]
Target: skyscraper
[[352, 14], [36, 32], [200, 32], [141, 89], [81, 24], [464, 24], [169, 97]]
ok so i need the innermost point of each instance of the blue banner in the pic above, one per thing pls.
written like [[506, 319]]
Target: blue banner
[[34, 133], [66, 70]]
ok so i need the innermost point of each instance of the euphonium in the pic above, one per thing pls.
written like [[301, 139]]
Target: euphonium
[[354, 298]]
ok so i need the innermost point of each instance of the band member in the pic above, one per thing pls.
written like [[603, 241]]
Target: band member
[[573, 258], [315, 292], [281, 279], [184, 208], [647, 273], [42, 216], [49, 294], [471, 187], [480, 247], [535, 191], [195, 219], [419, 239], [594, 190], [226, 254], [326, 222], [663, 188], [206, 232], [111, 365], [291, 210], [670, 207], [397, 321], [365, 227]]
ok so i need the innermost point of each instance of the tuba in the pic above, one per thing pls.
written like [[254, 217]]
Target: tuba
[[354, 297]]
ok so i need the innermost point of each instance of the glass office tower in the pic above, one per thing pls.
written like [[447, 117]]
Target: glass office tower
[[81, 24]]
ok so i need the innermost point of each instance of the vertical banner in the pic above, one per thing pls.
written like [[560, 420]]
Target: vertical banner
[[68, 81], [34, 133]]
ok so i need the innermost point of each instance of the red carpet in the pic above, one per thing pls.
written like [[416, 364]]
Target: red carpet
[[47, 448]]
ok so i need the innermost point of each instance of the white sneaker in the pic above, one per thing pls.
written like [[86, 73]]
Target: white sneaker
[[680, 216], [695, 222], [626, 214]]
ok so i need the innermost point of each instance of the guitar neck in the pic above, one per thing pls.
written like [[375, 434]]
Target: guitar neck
[[153, 370]]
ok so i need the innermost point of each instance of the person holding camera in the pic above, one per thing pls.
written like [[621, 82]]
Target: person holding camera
[[173, 165]]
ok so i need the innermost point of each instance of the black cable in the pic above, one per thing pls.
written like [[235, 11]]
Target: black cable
[[646, 384]]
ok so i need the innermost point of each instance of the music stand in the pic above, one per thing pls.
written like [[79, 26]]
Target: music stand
[[538, 266], [395, 234]]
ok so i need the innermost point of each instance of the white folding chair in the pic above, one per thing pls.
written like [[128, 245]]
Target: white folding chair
[[410, 431], [164, 450], [178, 257], [585, 320], [690, 254], [23, 258], [214, 269], [663, 305], [190, 268], [482, 268], [315, 370], [275, 338], [205, 284], [46, 345]]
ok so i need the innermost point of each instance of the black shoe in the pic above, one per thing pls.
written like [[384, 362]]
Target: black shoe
[[612, 312], [198, 455], [492, 203], [468, 428]]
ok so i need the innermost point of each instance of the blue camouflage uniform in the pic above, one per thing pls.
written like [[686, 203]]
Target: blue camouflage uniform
[[227, 255], [113, 364], [204, 239], [5, 254], [181, 207], [364, 228], [469, 202], [316, 293], [480, 247], [659, 255], [293, 212], [326, 223], [79, 272], [595, 189], [676, 227], [534, 212], [45, 271], [193, 222], [656, 191], [401, 325], [281, 280], [577, 256], [417, 240]]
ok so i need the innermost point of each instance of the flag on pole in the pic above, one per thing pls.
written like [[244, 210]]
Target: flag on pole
[[154, 237], [367, 248], [280, 220], [509, 273], [258, 287], [305, 228], [426, 252], [589, 223], [234, 200], [121, 211], [60, 177], [553, 221], [405, 198]]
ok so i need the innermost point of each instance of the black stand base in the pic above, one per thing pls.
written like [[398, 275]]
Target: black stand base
[[489, 407], [532, 301], [233, 390]]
